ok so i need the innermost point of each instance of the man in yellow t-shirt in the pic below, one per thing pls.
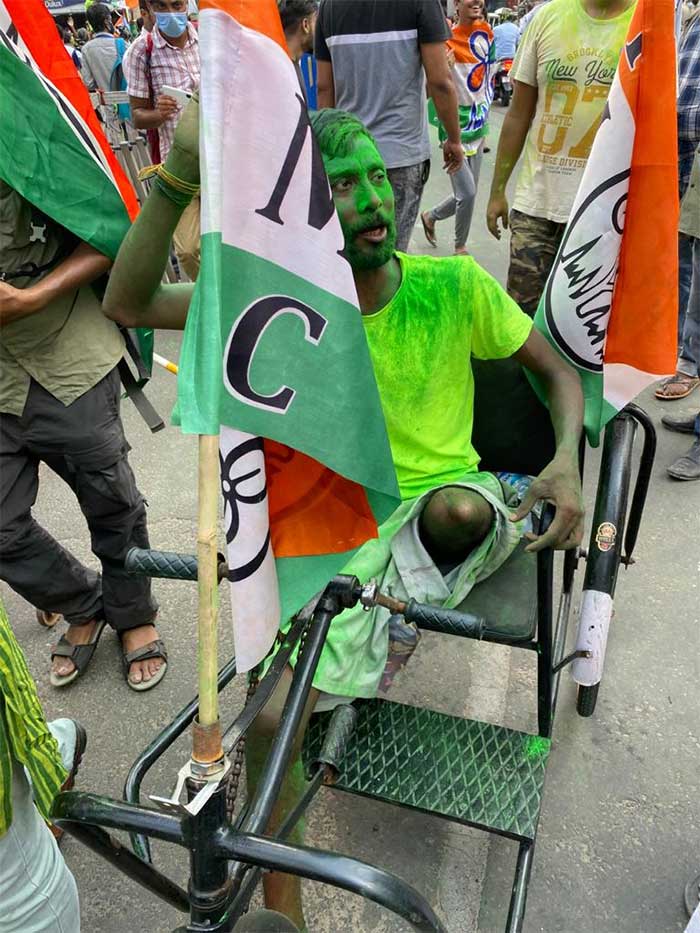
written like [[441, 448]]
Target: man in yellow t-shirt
[[561, 80]]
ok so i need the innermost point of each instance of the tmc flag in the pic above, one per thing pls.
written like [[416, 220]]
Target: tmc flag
[[610, 305], [275, 358]]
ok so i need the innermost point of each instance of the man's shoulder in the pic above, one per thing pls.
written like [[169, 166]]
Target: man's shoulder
[[457, 270], [360, 17]]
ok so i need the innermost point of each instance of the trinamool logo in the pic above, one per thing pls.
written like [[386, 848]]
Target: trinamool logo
[[579, 293]]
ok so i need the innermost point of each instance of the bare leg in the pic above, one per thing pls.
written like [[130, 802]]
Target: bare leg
[[454, 522], [282, 892]]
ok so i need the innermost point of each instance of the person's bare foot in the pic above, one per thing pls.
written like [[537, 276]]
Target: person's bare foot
[[76, 635], [461, 251], [141, 671]]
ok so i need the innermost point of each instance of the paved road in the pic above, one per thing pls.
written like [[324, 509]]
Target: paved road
[[619, 832]]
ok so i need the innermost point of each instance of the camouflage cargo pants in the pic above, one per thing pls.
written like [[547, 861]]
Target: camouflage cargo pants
[[407, 183], [534, 242]]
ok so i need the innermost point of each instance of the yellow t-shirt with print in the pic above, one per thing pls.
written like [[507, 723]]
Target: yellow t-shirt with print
[[571, 59]]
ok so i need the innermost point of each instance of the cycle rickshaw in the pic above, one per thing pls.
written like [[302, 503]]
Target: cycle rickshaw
[[470, 772]]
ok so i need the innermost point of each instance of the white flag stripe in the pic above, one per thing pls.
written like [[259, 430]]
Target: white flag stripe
[[255, 606], [250, 111], [623, 383]]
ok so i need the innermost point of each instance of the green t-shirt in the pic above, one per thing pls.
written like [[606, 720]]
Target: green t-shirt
[[445, 311]]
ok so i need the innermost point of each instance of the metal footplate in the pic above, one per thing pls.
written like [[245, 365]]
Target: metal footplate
[[467, 771]]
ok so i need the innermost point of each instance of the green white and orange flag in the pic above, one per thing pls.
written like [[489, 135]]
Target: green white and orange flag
[[611, 302], [52, 149], [274, 357]]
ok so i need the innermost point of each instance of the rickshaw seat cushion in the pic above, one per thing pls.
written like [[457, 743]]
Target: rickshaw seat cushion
[[508, 598], [512, 429]]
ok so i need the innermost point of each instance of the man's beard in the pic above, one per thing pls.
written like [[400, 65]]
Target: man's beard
[[367, 256]]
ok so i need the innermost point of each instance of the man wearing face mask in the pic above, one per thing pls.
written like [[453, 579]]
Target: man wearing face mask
[[166, 57]]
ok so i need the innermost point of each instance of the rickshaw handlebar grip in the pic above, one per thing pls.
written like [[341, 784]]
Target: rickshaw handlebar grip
[[447, 621], [144, 562]]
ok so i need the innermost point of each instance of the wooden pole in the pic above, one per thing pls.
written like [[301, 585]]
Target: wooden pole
[[206, 746]]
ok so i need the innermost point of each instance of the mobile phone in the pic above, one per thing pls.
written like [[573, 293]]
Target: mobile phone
[[182, 97]]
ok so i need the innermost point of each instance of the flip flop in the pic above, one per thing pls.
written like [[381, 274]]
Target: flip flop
[[154, 649], [428, 231], [48, 619], [80, 655], [688, 384]]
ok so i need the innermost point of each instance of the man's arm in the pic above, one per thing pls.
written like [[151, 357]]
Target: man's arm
[[560, 481], [146, 117], [325, 86], [510, 145], [83, 266], [442, 90], [136, 296]]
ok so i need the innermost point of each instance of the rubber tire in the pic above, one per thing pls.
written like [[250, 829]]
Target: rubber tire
[[586, 699]]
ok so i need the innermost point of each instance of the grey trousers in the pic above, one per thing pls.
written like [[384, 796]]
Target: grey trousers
[[461, 202], [407, 184], [84, 444]]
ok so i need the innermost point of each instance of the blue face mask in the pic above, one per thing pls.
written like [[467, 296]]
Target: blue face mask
[[171, 24]]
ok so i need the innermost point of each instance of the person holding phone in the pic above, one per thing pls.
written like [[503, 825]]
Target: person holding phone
[[166, 58]]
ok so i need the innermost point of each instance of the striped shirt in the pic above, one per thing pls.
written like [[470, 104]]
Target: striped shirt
[[170, 66], [24, 735], [688, 99]]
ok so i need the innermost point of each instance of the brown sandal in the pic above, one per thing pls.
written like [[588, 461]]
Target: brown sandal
[[685, 385], [428, 230]]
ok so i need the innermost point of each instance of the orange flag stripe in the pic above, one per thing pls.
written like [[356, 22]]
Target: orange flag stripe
[[642, 330], [261, 15]]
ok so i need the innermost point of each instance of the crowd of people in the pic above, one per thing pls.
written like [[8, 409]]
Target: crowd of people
[[60, 345]]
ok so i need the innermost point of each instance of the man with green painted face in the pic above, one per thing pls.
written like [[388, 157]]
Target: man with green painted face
[[424, 317]]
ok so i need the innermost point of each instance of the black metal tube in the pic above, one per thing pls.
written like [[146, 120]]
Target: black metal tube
[[209, 885], [350, 874], [151, 754], [605, 548], [240, 903], [265, 689], [127, 863], [641, 486], [281, 749], [545, 579], [75, 806], [518, 898]]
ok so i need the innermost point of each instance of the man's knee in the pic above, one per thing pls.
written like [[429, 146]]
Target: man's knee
[[455, 508]]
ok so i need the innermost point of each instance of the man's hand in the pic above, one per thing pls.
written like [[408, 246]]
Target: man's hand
[[183, 159], [15, 303], [497, 210], [453, 155], [560, 484], [167, 107]]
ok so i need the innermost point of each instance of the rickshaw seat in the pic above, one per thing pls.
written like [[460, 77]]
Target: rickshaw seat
[[508, 598]]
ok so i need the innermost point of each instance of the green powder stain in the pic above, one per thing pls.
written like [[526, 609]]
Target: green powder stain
[[536, 747]]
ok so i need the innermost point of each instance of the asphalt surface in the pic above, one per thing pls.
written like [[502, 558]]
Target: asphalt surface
[[620, 831]]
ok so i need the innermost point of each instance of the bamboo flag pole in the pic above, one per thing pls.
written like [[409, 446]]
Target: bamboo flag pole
[[206, 739]]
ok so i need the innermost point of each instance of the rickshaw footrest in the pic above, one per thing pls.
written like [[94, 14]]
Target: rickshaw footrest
[[470, 772]]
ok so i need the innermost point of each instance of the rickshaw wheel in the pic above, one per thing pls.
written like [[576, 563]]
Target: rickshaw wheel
[[586, 699]]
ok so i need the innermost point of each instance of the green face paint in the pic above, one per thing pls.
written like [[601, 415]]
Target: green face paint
[[365, 203]]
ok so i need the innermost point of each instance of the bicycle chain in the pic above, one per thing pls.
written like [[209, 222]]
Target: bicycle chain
[[234, 777]]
